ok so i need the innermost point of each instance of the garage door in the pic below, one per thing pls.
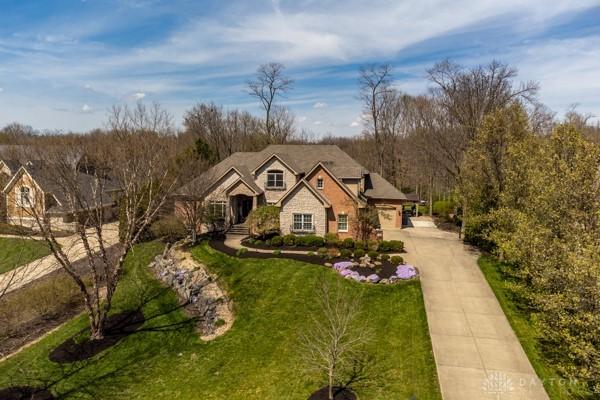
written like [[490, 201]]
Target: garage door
[[387, 217]]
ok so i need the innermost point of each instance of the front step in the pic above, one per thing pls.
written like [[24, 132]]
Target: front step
[[239, 229]]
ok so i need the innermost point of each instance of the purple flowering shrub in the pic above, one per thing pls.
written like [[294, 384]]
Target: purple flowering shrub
[[403, 271]]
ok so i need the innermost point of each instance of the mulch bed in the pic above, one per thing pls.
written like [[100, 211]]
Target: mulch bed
[[338, 394], [25, 393], [118, 326], [386, 269], [31, 329], [282, 247]]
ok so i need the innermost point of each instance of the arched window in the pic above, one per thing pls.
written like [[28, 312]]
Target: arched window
[[275, 179]]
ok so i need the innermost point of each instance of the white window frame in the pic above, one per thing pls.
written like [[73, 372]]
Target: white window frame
[[30, 200], [275, 179], [340, 225], [302, 222], [215, 204], [320, 183]]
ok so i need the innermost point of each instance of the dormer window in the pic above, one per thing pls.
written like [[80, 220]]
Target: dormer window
[[24, 198], [319, 183], [275, 180]]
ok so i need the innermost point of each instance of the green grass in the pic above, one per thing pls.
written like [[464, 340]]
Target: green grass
[[520, 321], [15, 252], [256, 359]]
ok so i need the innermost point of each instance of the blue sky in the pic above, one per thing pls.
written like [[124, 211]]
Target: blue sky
[[63, 63]]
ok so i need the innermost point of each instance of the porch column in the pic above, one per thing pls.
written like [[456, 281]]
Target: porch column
[[254, 201]]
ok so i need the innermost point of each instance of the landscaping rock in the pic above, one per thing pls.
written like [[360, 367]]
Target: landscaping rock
[[196, 288], [328, 265]]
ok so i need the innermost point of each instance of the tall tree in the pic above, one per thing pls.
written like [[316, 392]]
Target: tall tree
[[466, 96], [134, 162], [269, 84], [375, 88]]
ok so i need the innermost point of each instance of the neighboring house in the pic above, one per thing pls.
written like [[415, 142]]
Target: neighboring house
[[7, 169], [32, 193], [318, 188]]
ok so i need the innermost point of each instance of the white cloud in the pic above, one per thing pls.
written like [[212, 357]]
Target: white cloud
[[138, 95], [1, 90], [86, 109], [301, 118], [320, 104], [354, 124], [317, 122]]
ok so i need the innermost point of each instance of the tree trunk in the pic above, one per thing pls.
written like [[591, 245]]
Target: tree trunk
[[463, 222], [330, 385]]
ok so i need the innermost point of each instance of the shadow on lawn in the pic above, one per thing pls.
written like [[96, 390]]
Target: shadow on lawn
[[78, 361]]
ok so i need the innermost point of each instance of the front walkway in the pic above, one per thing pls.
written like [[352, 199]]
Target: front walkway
[[477, 354], [71, 245]]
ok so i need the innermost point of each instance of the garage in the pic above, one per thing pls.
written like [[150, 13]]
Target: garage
[[387, 217]]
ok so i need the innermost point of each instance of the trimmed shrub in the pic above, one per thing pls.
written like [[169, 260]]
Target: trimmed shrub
[[322, 252], [384, 257], [316, 241], [289, 239], [345, 253], [373, 255], [310, 241], [397, 260], [359, 244], [276, 241], [241, 251], [391, 245], [263, 220], [169, 228], [258, 242], [310, 253], [347, 243], [359, 253], [331, 239], [372, 245], [276, 252]]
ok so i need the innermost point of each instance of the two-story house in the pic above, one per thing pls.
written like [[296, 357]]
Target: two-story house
[[318, 188]]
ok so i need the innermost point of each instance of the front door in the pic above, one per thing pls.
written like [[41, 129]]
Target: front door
[[244, 206]]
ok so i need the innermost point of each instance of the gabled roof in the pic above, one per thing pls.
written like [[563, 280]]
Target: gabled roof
[[337, 181], [12, 165], [275, 155], [39, 173], [378, 188], [303, 182]]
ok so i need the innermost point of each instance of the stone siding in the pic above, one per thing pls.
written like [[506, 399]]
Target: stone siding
[[271, 195], [17, 214], [303, 201]]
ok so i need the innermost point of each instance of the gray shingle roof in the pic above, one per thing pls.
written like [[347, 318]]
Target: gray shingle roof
[[302, 158], [86, 185], [378, 188]]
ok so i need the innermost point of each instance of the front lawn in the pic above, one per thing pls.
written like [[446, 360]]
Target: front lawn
[[15, 252], [520, 320], [256, 359]]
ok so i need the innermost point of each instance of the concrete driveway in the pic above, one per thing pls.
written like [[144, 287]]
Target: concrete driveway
[[477, 354], [71, 245]]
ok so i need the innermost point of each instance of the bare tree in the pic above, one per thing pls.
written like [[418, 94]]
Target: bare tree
[[190, 204], [222, 132], [375, 87], [270, 83], [334, 343], [133, 164]]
